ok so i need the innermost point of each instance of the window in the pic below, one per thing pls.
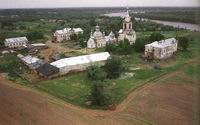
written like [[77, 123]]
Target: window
[[124, 26]]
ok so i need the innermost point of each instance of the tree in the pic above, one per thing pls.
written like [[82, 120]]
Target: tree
[[140, 43], [183, 42], [95, 73], [82, 42], [92, 22], [5, 24], [98, 95], [113, 67], [35, 35], [22, 27], [110, 48], [74, 37], [124, 47], [156, 37]]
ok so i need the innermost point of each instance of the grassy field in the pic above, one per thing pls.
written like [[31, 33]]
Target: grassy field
[[75, 88]]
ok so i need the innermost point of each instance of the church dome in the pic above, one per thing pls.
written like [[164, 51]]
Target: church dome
[[112, 34], [97, 34]]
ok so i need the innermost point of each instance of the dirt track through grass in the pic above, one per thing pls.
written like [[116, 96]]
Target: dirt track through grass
[[157, 102]]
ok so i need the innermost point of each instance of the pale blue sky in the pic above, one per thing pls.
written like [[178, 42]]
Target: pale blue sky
[[93, 3]]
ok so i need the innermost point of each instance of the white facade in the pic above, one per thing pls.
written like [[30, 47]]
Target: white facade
[[65, 34], [161, 49], [80, 63], [127, 32], [16, 42], [99, 40]]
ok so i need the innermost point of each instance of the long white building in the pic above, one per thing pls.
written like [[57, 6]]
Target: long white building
[[80, 63], [16, 42], [161, 49], [65, 34]]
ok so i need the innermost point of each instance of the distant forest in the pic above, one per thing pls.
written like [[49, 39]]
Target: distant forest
[[188, 15]]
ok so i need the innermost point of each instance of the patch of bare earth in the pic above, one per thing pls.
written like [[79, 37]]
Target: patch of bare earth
[[169, 100]]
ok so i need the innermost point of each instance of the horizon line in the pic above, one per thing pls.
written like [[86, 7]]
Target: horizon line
[[102, 7]]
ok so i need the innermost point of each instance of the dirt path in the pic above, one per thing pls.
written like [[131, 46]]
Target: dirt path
[[21, 105], [150, 83], [58, 48], [149, 104]]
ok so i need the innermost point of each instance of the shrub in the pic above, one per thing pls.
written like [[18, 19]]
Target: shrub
[[183, 42], [98, 94], [156, 37], [113, 67], [22, 27], [122, 48], [111, 48], [35, 35], [140, 43], [95, 73]]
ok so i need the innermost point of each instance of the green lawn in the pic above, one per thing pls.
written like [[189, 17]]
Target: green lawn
[[72, 88], [75, 88]]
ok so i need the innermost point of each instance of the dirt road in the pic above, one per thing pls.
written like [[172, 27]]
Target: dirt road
[[163, 101]]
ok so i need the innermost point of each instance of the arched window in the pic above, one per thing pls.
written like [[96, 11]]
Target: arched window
[[125, 26]]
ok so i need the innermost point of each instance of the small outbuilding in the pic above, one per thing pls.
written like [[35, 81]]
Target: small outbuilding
[[32, 62], [36, 46], [47, 71]]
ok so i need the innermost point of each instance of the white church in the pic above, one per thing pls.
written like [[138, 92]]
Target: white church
[[99, 40], [127, 32]]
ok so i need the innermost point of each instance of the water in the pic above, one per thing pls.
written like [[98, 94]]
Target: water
[[188, 26]]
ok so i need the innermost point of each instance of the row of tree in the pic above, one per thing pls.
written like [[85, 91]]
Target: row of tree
[[98, 75]]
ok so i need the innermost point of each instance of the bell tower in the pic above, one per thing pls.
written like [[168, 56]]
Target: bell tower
[[127, 23]]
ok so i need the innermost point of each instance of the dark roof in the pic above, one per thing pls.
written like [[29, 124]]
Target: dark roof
[[47, 70]]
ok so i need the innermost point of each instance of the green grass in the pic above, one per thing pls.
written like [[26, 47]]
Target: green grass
[[76, 88], [193, 70], [72, 88]]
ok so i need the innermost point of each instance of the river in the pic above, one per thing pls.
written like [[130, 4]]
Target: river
[[188, 26]]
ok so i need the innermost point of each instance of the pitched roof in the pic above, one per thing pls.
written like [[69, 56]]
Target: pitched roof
[[47, 70], [81, 60], [30, 61], [17, 39], [163, 43], [67, 30]]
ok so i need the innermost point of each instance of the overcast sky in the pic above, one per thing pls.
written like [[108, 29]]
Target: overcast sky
[[93, 3]]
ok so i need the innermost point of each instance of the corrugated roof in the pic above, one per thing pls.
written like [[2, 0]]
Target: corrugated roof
[[163, 43], [28, 59], [81, 60], [17, 39], [38, 44], [47, 70]]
